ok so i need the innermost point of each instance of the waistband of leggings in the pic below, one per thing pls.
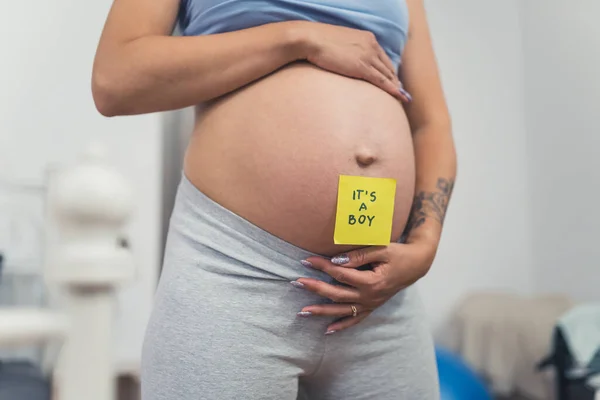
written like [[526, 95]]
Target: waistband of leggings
[[227, 223]]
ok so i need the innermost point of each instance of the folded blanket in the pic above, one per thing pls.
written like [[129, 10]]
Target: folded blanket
[[503, 336]]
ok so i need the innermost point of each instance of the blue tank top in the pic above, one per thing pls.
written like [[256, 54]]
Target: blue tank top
[[387, 19]]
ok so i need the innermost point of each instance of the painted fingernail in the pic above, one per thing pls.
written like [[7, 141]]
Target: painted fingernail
[[330, 332], [297, 284], [405, 94], [341, 259], [307, 264], [304, 314]]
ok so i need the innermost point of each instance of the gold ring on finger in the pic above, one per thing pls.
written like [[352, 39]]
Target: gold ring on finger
[[354, 310]]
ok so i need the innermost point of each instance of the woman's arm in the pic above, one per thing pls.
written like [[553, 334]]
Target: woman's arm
[[140, 68], [399, 265], [432, 134]]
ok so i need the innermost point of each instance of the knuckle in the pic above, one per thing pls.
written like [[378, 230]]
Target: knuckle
[[386, 253], [335, 297], [365, 301], [372, 283], [363, 66], [369, 76], [319, 311], [378, 287], [371, 38], [360, 256], [340, 276], [320, 289]]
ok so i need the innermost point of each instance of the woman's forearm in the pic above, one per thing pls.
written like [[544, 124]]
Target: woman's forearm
[[159, 73], [435, 158]]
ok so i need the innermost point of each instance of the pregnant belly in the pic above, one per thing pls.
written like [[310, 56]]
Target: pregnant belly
[[273, 152]]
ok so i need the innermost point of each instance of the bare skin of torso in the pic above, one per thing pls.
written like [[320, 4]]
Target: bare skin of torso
[[272, 152]]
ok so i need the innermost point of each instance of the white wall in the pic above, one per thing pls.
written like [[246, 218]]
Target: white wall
[[522, 217], [523, 86], [562, 77], [487, 236], [178, 127], [47, 116]]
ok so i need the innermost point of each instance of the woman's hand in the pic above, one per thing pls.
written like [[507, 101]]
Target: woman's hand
[[353, 53], [394, 268]]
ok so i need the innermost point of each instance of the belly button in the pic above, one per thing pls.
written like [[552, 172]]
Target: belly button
[[364, 160]]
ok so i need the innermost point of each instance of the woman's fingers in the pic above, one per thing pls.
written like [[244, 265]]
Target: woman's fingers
[[389, 67], [373, 75], [353, 313], [370, 73], [343, 268], [393, 81], [332, 310], [338, 294], [402, 93], [359, 257], [348, 276], [346, 323], [392, 84]]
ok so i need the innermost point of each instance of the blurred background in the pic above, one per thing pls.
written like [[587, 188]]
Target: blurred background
[[519, 250]]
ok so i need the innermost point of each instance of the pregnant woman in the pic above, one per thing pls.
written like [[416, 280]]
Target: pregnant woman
[[256, 299]]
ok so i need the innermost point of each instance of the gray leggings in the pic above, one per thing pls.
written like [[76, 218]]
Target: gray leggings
[[224, 325]]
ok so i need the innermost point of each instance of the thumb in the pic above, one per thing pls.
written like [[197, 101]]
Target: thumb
[[359, 257]]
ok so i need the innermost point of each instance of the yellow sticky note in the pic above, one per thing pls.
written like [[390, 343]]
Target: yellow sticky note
[[365, 210]]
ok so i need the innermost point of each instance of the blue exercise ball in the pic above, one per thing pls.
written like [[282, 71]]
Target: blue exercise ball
[[457, 380]]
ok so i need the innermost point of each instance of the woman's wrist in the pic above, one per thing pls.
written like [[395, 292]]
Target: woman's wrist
[[298, 39], [424, 236]]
